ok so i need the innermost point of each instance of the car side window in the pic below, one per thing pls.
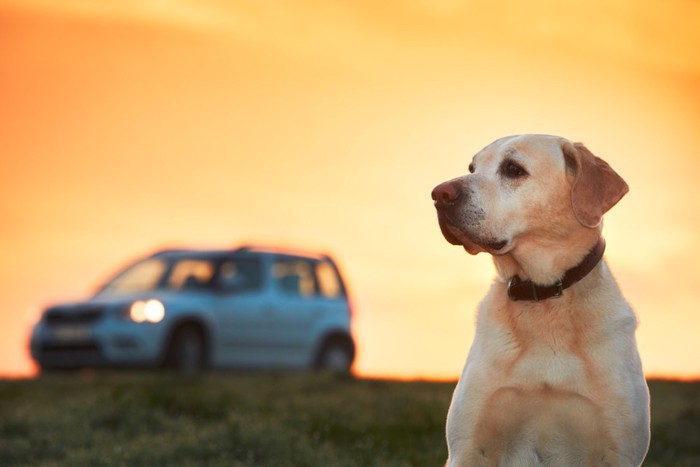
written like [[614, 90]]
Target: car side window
[[191, 274], [294, 277], [240, 274]]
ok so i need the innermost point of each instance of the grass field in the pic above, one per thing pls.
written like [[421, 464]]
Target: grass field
[[156, 419]]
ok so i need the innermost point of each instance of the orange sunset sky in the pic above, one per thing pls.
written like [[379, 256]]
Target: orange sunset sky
[[127, 126]]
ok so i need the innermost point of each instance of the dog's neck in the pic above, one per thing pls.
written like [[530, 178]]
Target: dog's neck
[[545, 264], [529, 290]]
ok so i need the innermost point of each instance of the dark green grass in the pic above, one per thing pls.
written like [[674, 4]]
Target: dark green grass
[[221, 419], [144, 419], [675, 424]]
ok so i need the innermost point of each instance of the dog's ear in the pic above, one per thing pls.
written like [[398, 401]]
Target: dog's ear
[[596, 186]]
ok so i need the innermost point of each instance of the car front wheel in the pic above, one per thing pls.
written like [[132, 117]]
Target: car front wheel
[[187, 352]]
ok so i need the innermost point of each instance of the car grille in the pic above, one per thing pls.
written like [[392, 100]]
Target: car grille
[[74, 315], [73, 355], [86, 347]]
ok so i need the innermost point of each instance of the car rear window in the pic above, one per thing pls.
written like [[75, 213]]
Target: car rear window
[[328, 281]]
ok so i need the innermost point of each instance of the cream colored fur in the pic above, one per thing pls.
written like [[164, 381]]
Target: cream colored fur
[[557, 382]]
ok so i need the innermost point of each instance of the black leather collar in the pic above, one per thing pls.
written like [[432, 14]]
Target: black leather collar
[[519, 289]]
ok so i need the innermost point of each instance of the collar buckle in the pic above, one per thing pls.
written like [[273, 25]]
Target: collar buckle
[[560, 289]]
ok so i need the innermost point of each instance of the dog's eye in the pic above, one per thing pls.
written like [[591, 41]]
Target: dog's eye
[[512, 169], [471, 168]]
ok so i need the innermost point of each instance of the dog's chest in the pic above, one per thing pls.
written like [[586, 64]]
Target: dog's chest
[[530, 370], [542, 343]]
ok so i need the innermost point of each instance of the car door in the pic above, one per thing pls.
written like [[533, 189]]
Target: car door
[[295, 309], [244, 312]]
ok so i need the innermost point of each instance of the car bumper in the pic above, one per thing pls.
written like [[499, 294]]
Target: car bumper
[[100, 345]]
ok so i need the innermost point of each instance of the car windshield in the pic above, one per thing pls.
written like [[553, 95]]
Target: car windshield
[[162, 273]]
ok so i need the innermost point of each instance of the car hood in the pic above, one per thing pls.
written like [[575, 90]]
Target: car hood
[[171, 299]]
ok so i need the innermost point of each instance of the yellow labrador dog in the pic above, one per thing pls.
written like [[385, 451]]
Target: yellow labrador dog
[[553, 377]]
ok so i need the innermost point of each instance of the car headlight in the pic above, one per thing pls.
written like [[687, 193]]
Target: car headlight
[[148, 311]]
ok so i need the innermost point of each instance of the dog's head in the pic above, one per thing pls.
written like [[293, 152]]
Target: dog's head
[[526, 190]]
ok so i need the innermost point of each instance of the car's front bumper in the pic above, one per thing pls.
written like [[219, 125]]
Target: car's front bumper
[[108, 343]]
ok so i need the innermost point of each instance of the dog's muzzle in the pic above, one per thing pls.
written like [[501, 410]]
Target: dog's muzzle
[[449, 198], [446, 197]]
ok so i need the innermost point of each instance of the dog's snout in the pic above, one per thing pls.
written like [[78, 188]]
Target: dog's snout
[[447, 194]]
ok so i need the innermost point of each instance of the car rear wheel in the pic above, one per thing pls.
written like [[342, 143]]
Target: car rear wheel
[[187, 352], [336, 356]]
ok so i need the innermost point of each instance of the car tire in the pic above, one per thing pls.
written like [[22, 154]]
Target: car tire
[[335, 356], [187, 351]]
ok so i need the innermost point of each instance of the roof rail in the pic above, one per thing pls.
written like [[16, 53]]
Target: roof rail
[[168, 251], [282, 250]]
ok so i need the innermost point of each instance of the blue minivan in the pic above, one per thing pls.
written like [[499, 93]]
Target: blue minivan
[[249, 307]]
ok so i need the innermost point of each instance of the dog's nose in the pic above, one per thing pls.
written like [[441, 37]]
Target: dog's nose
[[447, 194]]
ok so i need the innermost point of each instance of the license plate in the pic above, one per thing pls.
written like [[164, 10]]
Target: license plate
[[71, 333]]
